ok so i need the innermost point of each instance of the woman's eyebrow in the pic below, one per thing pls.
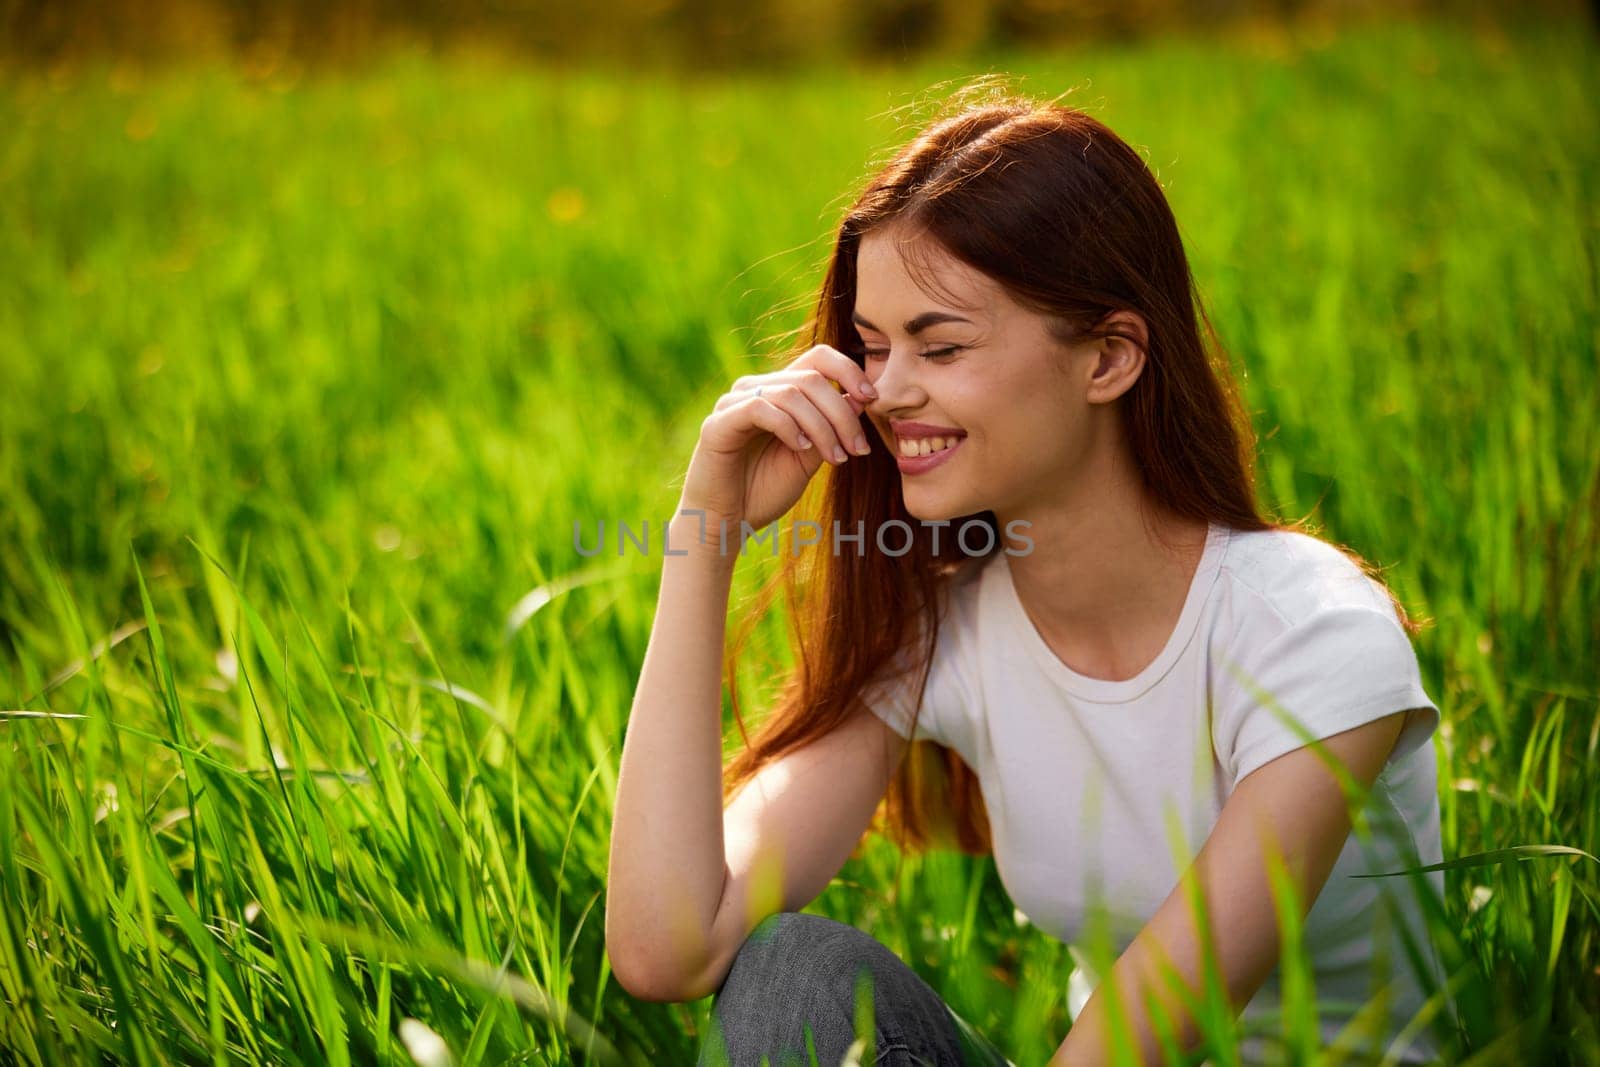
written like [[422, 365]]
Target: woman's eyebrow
[[918, 324]]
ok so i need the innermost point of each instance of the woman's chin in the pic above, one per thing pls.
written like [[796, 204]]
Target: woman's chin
[[933, 507]]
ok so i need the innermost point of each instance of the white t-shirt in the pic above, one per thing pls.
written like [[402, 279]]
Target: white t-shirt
[[1081, 776]]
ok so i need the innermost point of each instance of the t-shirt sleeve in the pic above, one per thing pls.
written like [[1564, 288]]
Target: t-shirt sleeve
[[1338, 668], [948, 700]]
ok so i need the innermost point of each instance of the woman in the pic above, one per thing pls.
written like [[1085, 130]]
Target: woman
[[1136, 691]]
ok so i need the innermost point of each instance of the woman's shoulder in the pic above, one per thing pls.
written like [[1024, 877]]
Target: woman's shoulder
[[1295, 575]]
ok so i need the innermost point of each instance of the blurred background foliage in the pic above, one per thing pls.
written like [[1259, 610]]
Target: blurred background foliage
[[687, 35]]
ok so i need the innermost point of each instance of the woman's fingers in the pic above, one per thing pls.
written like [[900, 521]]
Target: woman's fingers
[[797, 398], [829, 419], [842, 369], [837, 415], [823, 393], [843, 417], [764, 412]]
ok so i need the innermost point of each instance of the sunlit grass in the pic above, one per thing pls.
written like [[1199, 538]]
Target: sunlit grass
[[313, 711]]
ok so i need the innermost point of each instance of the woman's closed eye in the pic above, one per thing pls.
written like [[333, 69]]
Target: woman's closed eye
[[933, 353]]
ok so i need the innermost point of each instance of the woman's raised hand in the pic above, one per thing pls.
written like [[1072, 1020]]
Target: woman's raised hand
[[769, 433]]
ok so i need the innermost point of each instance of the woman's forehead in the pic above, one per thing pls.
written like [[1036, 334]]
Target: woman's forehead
[[890, 266]]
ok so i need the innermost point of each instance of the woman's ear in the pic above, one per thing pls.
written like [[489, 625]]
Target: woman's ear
[[1119, 358]]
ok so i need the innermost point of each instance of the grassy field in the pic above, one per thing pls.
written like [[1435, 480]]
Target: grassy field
[[312, 710]]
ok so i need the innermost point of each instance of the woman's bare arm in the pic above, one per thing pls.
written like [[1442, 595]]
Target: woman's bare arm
[[667, 864], [761, 444]]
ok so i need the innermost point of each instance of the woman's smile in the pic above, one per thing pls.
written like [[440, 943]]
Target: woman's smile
[[926, 458]]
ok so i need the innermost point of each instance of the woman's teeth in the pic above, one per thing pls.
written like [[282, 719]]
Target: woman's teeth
[[922, 446]]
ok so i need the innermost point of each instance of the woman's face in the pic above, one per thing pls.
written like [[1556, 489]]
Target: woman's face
[[983, 367]]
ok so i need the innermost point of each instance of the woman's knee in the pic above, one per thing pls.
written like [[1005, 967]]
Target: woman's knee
[[794, 966], [803, 951]]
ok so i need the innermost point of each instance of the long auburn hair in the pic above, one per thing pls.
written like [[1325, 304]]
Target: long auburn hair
[[1067, 218]]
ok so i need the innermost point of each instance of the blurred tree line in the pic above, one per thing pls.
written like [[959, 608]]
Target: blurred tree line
[[686, 34]]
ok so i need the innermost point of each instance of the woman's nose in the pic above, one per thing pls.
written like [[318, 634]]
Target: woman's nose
[[897, 387]]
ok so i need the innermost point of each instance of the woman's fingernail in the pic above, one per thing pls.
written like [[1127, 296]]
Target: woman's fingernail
[[805, 442], [868, 390]]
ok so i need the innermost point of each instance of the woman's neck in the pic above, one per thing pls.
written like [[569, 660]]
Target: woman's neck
[[1104, 585]]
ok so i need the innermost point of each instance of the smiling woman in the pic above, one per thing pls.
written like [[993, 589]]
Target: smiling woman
[[1009, 314]]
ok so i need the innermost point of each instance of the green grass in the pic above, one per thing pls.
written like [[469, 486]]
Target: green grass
[[306, 378]]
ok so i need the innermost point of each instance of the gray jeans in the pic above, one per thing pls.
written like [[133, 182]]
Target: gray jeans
[[795, 977]]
